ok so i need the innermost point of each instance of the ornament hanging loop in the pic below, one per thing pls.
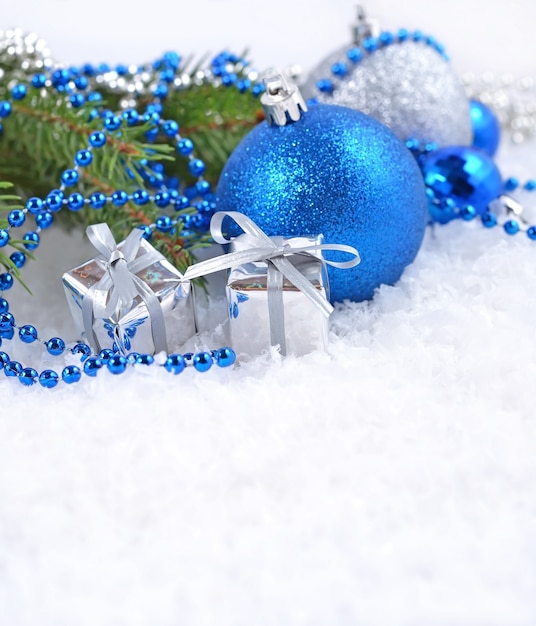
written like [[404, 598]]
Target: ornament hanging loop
[[282, 101], [508, 207], [364, 27]]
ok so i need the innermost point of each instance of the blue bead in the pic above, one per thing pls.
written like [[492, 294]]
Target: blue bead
[[97, 200], [511, 227], [112, 123], [162, 199], [71, 374], [402, 34], [164, 223], [55, 346], [106, 354], [7, 319], [4, 237], [371, 44], [147, 232], [92, 366], [75, 201], [19, 92], [530, 185], [196, 167], [81, 83], [229, 79], [18, 259], [144, 359], [382, 211], [339, 69], [203, 187], [170, 128], [185, 147], [140, 197], [5, 108], [34, 205], [386, 38], [77, 100], [69, 177], [4, 358], [44, 220], [28, 333], [131, 117], [48, 379], [39, 80], [83, 349], [16, 218], [4, 306], [465, 174], [181, 202], [225, 357], [60, 77], [83, 158], [531, 233], [119, 198], [117, 364], [6, 281], [175, 363], [489, 220], [28, 376], [418, 35], [161, 90], [54, 200], [202, 361], [467, 213], [94, 96], [354, 55], [12, 368], [325, 85], [97, 139], [511, 184]]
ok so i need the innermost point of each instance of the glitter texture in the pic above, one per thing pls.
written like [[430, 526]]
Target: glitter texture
[[338, 173], [407, 86]]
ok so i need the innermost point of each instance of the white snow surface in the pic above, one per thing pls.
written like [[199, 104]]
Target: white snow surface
[[391, 481]]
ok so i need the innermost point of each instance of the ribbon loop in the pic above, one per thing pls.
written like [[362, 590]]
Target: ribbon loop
[[121, 284], [261, 248]]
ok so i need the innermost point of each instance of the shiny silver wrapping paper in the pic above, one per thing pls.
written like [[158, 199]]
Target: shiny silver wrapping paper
[[133, 325], [306, 328]]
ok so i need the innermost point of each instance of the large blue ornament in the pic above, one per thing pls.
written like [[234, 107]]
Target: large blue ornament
[[486, 128], [336, 172], [465, 175]]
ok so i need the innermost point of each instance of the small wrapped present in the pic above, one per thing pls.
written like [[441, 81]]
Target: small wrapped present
[[130, 298], [277, 287]]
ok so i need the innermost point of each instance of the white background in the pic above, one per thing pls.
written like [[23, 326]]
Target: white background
[[479, 34]]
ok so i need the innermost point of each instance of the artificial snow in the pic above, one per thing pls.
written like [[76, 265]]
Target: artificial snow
[[390, 481]]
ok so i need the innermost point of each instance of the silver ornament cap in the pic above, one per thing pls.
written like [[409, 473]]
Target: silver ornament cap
[[282, 101], [364, 27]]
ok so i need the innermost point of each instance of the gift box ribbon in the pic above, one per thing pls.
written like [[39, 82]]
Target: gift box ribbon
[[122, 284], [262, 248]]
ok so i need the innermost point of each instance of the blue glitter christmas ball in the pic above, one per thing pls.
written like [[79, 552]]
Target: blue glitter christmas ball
[[339, 173], [466, 175], [486, 128]]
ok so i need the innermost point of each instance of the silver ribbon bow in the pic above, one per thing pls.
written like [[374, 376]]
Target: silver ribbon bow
[[121, 284], [262, 248]]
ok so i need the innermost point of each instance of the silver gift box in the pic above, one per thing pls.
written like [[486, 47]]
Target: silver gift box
[[306, 327], [133, 326]]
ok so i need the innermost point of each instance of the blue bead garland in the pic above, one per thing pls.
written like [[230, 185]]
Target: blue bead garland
[[65, 81]]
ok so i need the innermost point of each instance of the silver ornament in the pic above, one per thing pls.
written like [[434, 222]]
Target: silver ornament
[[407, 86]]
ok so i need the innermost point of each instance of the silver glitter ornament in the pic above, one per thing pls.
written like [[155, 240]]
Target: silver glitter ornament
[[407, 85]]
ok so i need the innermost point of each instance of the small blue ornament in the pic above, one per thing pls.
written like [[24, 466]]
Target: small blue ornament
[[460, 176], [332, 171], [486, 128]]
